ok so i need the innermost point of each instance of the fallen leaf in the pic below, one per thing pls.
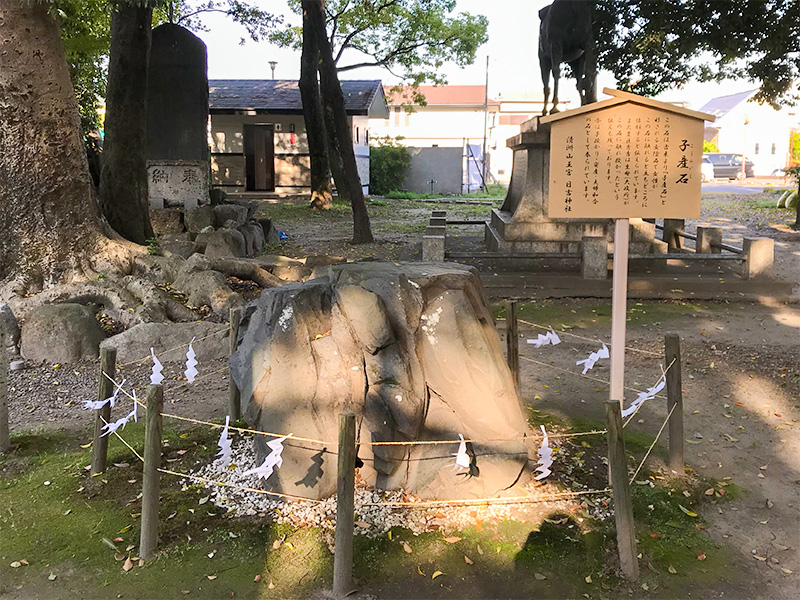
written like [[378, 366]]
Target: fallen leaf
[[787, 571], [363, 525], [211, 577], [539, 576], [128, 565], [126, 528], [655, 535], [407, 548], [761, 558], [420, 571], [389, 534], [16, 564], [276, 544], [52, 576], [467, 560], [119, 557], [204, 499], [257, 578], [588, 579], [110, 544], [479, 549], [709, 492], [779, 546], [271, 585], [436, 574], [701, 556], [172, 515], [452, 540], [671, 569], [117, 540], [687, 511]]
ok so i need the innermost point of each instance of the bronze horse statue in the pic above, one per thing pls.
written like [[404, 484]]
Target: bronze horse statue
[[565, 36]]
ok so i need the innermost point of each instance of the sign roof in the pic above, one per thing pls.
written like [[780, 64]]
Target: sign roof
[[620, 97]]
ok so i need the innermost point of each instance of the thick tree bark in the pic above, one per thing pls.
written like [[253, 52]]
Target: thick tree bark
[[321, 196], [333, 105], [50, 223], [123, 180]]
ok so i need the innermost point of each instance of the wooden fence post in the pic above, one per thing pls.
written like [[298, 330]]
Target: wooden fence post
[[105, 388], [234, 398], [512, 341], [151, 482], [623, 507], [5, 435], [672, 351], [345, 507]]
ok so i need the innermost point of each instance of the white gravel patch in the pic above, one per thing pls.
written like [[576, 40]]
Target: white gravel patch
[[371, 520]]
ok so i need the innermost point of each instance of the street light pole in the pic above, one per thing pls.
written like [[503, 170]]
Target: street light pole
[[485, 124], [272, 65]]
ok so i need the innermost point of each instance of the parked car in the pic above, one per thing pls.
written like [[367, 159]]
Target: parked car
[[706, 170], [729, 165]]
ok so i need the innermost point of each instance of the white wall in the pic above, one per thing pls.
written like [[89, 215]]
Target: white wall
[[764, 140]]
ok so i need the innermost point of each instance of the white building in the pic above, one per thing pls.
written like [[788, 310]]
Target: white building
[[758, 131]]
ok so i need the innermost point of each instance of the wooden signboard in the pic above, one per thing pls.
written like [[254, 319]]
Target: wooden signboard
[[625, 157]]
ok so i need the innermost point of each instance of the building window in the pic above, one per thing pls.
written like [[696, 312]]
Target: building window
[[756, 151], [773, 148], [397, 116], [366, 137], [357, 135]]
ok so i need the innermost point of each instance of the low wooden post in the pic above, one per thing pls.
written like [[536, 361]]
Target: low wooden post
[[345, 507], [512, 341], [5, 436], [623, 507], [672, 351], [105, 388], [234, 398], [151, 482]]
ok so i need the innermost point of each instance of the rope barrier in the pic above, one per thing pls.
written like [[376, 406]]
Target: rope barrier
[[139, 456], [663, 376], [580, 337], [470, 502], [324, 443], [658, 435], [186, 345], [240, 487], [603, 381]]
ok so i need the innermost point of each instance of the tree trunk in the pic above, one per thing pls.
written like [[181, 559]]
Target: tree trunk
[[123, 179], [334, 158], [321, 196], [50, 225], [334, 108]]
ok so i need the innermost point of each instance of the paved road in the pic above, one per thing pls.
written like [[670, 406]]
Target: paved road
[[733, 188]]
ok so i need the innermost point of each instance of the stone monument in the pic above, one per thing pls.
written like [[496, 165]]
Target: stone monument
[[177, 119]]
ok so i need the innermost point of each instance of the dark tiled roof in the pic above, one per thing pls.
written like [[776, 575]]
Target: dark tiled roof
[[719, 107], [283, 95]]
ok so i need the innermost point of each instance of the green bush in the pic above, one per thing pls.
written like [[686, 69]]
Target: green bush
[[388, 163]]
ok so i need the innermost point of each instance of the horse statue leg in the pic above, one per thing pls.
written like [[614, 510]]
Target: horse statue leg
[[590, 73], [577, 67], [545, 66], [555, 58]]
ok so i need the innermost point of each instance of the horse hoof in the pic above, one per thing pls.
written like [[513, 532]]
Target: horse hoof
[[554, 111]]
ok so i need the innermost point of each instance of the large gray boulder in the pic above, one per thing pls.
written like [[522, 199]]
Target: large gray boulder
[[135, 343], [412, 350], [222, 243], [230, 212], [198, 218], [207, 288], [61, 333]]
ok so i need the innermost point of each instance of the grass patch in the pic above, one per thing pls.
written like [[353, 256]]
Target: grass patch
[[59, 528]]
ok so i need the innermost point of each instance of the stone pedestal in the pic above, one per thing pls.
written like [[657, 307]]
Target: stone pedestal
[[522, 223]]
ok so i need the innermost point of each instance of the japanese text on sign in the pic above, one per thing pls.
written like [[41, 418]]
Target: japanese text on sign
[[625, 160]]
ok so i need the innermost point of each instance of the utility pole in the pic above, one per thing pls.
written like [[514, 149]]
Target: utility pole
[[485, 123]]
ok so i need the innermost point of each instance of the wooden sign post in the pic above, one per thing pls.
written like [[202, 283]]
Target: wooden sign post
[[621, 158]]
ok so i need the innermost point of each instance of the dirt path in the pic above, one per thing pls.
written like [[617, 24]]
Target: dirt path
[[741, 378]]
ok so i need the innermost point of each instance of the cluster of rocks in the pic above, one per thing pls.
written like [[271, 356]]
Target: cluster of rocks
[[218, 231]]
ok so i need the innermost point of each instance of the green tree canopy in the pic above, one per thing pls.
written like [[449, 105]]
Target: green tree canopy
[[652, 45], [412, 39]]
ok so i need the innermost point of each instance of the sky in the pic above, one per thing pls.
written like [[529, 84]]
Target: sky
[[512, 52]]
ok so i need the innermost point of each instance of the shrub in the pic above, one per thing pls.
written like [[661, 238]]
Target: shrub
[[388, 163]]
